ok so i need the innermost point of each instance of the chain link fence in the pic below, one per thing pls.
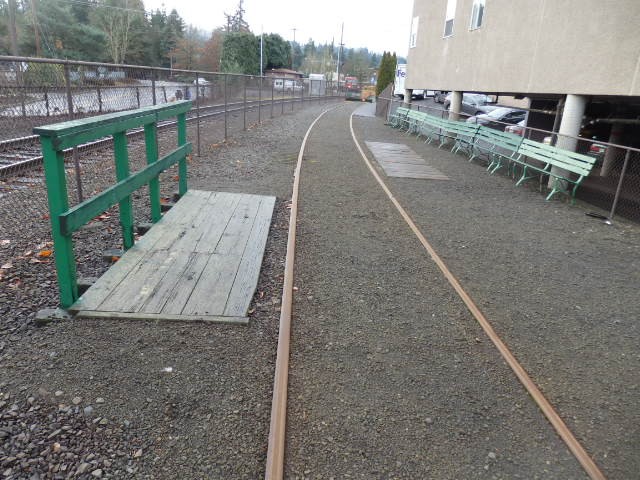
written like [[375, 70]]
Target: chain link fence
[[35, 92], [612, 187]]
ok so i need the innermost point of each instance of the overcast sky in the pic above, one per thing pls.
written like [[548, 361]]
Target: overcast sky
[[375, 25]]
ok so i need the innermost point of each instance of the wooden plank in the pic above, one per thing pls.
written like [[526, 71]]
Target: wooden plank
[[92, 314], [191, 232], [184, 286], [183, 217], [162, 291], [138, 284], [236, 234], [183, 211], [218, 221], [246, 281], [209, 295]]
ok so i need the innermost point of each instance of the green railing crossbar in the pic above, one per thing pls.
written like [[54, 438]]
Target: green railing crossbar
[[65, 221], [82, 213]]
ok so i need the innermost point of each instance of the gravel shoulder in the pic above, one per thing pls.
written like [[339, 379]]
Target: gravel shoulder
[[119, 399], [391, 377], [559, 287]]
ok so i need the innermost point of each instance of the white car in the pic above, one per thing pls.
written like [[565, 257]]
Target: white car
[[286, 85]]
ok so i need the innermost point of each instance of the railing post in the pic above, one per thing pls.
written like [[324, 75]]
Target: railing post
[[182, 163], [58, 204], [122, 172], [151, 143]]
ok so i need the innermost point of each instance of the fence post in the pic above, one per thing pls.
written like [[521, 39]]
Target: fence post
[[198, 113], [46, 101], [99, 99], [138, 95], [244, 103], [225, 107], [76, 160], [260, 101], [271, 97], [122, 172], [164, 92], [619, 187], [153, 87], [151, 143], [284, 90], [182, 163], [58, 204]]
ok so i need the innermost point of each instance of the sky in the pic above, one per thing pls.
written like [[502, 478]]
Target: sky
[[377, 26]]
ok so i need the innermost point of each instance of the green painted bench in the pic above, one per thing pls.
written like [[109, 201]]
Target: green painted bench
[[434, 128], [463, 134], [497, 145], [415, 118], [398, 118], [573, 167]]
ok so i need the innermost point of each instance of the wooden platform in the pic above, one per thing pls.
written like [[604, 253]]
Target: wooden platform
[[398, 160], [200, 262]]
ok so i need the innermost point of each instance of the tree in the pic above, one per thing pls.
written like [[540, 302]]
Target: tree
[[236, 22], [241, 53], [212, 52], [115, 17], [276, 51], [386, 72], [189, 50]]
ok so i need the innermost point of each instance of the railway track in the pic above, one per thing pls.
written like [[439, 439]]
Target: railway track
[[19, 155], [277, 432]]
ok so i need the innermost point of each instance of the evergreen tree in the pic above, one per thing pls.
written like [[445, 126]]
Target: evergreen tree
[[241, 53], [386, 73]]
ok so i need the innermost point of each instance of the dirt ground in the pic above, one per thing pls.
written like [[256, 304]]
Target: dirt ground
[[391, 377]]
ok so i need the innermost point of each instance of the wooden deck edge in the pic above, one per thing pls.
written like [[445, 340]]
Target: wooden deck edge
[[162, 317]]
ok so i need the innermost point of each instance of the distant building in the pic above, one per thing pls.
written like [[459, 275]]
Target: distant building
[[584, 54], [283, 73]]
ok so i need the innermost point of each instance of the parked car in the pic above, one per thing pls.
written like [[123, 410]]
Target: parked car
[[285, 85], [517, 129], [439, 96], [498, 117], [201, 81], [472, 103]]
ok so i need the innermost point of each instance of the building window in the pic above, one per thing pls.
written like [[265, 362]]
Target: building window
[[414, 32], [477, 13], [448, 20]]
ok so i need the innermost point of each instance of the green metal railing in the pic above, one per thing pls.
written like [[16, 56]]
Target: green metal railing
[[65, 220]]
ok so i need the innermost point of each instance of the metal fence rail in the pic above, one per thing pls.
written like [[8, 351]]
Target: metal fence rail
[[613, 185], [36, 92]]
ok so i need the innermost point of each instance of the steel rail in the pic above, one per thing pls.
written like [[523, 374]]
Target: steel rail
[[277, 427], [36, 161], [552, 416]]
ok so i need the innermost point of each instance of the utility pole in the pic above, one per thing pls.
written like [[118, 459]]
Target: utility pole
[[261, 49], [339, 52], [35, 27], [293, 47], [12, 28]]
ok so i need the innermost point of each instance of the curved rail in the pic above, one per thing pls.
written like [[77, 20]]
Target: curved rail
[[561, 428], [275, 450]]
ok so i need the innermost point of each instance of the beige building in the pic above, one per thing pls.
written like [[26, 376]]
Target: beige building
[[584, 54]]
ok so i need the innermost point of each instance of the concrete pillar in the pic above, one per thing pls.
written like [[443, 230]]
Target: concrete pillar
[[574, 107], [456, 105], [408, 92], [617, 129]]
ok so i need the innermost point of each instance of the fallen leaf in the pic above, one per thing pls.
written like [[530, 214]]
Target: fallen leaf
[[5, 242], [35, 260], [115, 259], [7, 266], [44, 245], [27, 253], [176, 177], [45, 253]]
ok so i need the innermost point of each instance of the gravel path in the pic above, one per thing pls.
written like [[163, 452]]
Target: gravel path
[[391, 377], [118, 399]]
